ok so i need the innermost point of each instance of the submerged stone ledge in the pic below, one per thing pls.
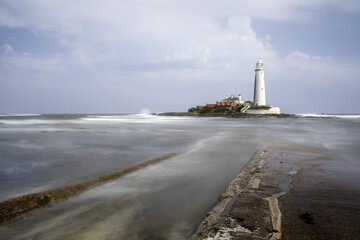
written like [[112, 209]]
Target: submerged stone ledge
[[288, 191], [13, 208]]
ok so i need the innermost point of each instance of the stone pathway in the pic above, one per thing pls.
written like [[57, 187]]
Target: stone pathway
[[289, 191]]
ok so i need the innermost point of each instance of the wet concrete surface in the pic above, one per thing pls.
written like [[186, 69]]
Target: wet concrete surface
[[289, 191]]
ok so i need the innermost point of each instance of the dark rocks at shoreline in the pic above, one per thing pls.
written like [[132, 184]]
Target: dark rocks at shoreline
[[229, 115]]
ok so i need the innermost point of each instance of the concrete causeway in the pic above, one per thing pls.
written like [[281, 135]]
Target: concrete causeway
[[289, 191]]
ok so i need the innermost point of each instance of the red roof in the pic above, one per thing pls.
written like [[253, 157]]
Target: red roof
[[210, 105]]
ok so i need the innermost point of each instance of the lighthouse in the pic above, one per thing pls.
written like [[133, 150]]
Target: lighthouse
[[259, 88]]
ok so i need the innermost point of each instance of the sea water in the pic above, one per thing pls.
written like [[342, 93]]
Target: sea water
[[163, 201]]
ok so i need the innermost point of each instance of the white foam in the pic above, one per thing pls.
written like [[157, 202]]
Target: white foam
[[34, 121], [128, 118], [20, 115], [133, 118], [345, 116], [145, 111], [18, 121]]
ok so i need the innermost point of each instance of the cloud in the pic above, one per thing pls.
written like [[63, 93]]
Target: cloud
[[138, 31], [8, 49], [319, 70], [13, 61], [70, 17], [159, 49]]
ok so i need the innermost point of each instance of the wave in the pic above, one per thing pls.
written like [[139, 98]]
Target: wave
[[33, 119], [20, 115], [133, 118], [345, 116], [22, 122]]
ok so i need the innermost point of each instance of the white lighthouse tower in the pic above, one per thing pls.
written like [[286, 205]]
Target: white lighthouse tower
[[259, 88]]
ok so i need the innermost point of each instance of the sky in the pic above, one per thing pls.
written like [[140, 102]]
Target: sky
[[77, 56]]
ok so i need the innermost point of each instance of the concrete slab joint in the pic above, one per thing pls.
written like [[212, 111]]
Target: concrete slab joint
[[275, 214]]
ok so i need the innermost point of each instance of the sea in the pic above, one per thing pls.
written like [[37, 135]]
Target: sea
[[167, 200]]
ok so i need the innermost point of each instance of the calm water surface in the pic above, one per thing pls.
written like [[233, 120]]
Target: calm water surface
[[163, 201]]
